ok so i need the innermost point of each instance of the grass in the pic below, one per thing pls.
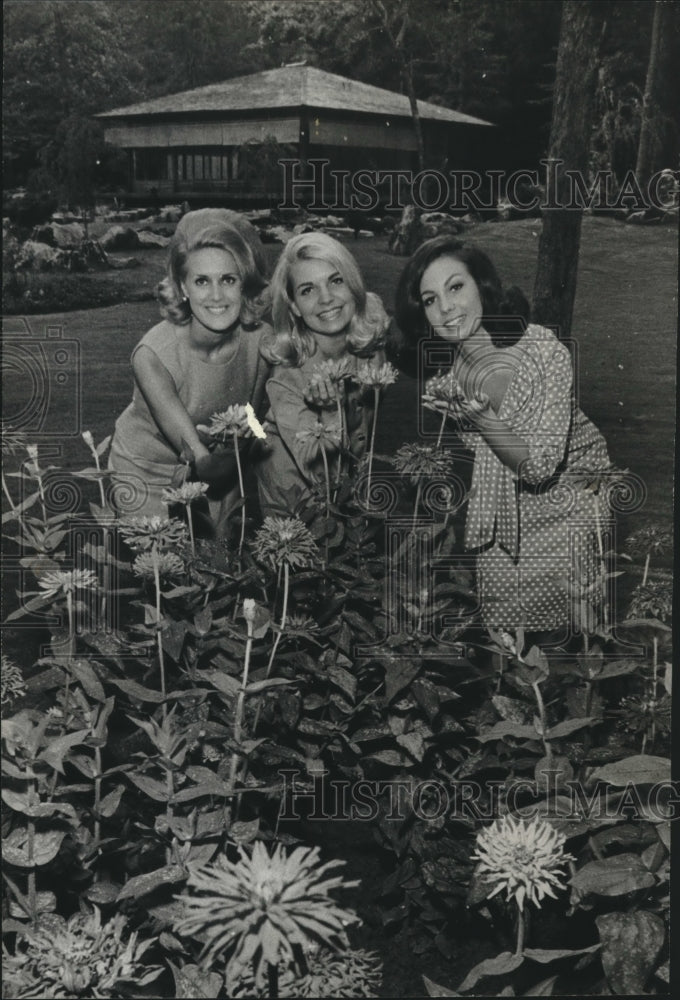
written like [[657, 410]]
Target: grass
[[624, 326]]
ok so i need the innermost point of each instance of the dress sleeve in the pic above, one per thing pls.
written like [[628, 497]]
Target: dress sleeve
[[550, 403], [291, 414]]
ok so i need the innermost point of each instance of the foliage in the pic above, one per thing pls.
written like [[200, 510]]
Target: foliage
[[147, 767]]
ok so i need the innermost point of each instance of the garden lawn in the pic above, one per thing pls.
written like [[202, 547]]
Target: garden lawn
[[624, 328]]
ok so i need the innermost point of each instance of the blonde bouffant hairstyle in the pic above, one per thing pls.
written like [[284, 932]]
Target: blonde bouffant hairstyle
[[175, 307], [291, 343]]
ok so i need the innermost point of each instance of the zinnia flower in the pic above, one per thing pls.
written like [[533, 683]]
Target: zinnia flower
[[654, 600], [12, 682], [142, 533], [233, 420], [76, 958], [417, 460], [317, 438], [186, 493], [67, 581], [168, 563], [263, 908], [352, 972], [524, 857], [652, 538], [285, 540], [375, 376]]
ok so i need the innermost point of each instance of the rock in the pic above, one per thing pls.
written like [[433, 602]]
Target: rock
[[334, 221], [303, 227], [38, 256], [56, 235], [172, 213], [149, 239], [120, 238], [122, 262]]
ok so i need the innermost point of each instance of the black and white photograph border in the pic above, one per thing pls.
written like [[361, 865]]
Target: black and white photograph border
[[339, 405]]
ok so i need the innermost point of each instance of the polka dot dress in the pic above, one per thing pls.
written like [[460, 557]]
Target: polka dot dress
[[539, 533]]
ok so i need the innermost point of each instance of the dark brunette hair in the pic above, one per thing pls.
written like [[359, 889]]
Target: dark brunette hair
[[505, 313]]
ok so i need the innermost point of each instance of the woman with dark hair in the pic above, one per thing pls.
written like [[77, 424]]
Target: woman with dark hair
[[203, 357], [534, 525]]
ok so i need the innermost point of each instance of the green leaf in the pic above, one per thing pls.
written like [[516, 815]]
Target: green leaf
[[83, 672], [511, 709], [642, 769], [142, 885], [567, 727], [203, 621], [46, 846], [156, 790], [545, 955], [398, 676], [613, 876], [343, 679], [109, 804], [102, 893], [194, 983], [20, 802], [137, 692], [542, 989], [268, 682], [501, 965], [631, 943], [433, 990], [172, 638], [213, 786], [225, 683], [503, 729], [244, 831], [54, 753]]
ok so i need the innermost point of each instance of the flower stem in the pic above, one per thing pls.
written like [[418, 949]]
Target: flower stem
[[242, 495], [190, 523], [519, 947], [327, 477], [159, 638], [277, 640], [417, 503], [441, 428], [7, 492], [646, 570], [376, 394], [238, 717], [341, 420]]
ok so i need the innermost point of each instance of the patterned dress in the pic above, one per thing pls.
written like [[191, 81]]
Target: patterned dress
[[537, 534], [142, 459], [284, 477]]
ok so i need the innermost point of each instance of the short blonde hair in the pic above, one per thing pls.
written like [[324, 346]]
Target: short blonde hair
[[291, 343], [221, 236]]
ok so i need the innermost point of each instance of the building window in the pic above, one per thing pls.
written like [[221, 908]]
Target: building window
[[151, 164]]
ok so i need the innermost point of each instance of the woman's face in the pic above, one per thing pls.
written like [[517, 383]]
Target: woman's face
[[213, 285], [450, 299], [321, 297]]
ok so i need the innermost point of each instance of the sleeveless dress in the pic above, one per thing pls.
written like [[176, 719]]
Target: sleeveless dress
[[284, 478], [142, 459], [537, 534]]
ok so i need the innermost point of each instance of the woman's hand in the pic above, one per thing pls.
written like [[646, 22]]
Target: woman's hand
[[323, 393], [462, 409], [215, 468]]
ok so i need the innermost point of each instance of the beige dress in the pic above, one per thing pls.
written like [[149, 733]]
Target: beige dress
[[142, 459]]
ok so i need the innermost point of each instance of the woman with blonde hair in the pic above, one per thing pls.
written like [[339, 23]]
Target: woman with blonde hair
[[203, 357], [325, 323]]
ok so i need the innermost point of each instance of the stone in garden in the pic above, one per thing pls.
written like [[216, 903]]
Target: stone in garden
[[275, 234], [120, 238], [439, 224], [38, 256], [171, 213], [148, 239], [56, 235], [119, 263], [303, 227]]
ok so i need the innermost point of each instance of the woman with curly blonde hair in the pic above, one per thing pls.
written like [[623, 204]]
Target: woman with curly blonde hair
[[203, 357], [324, 323]]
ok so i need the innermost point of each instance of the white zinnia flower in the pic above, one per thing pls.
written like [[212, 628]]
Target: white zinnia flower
[[524, 857]]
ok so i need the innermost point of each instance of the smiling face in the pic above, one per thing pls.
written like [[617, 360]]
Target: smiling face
[[451, 299], [321, 297], [213, 286]]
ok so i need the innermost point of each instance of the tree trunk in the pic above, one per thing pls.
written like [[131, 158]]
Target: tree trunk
[[648, 144], [572, 115]]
